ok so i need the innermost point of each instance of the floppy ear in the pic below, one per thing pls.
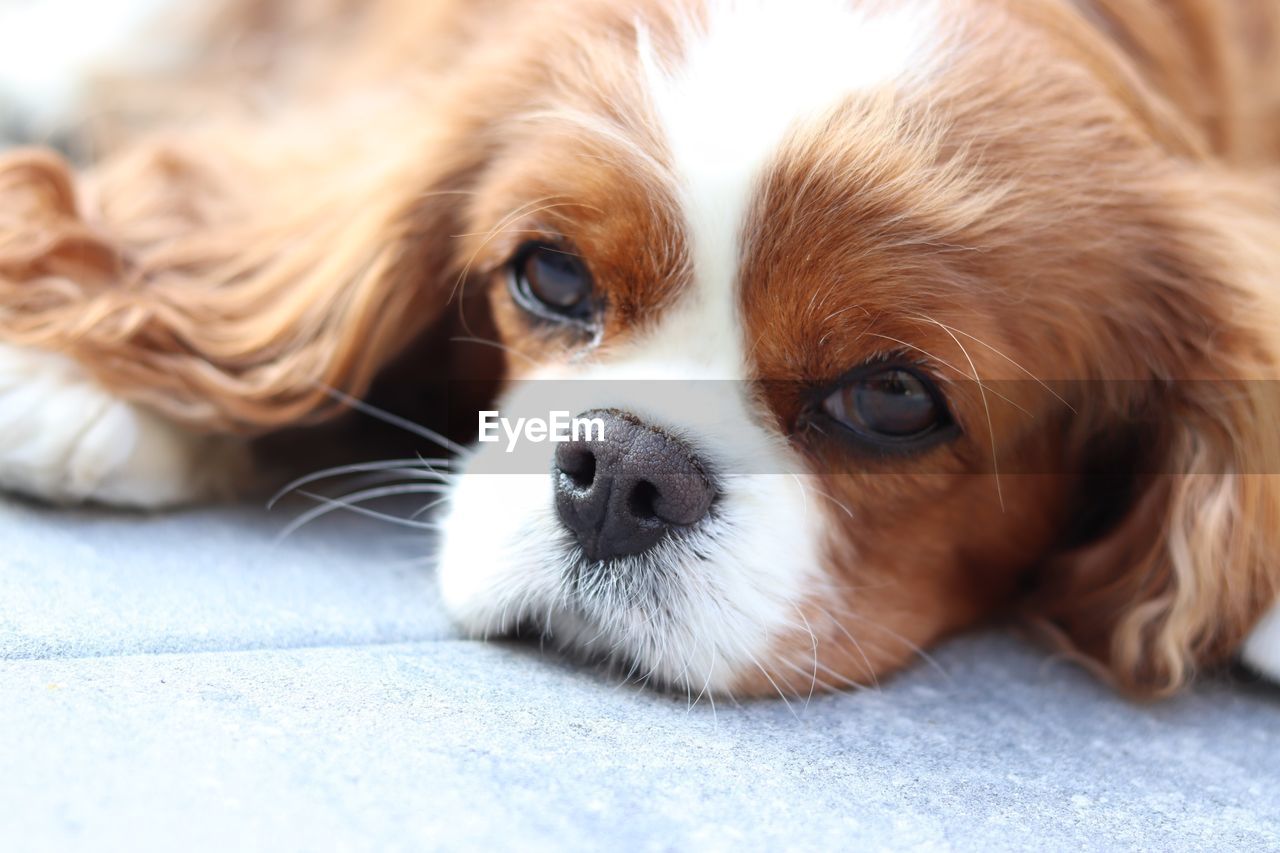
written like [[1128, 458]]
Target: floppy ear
[[228, 276], [1192, 561]]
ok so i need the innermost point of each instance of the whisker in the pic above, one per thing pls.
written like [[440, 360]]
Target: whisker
[[991, 427], [392, 465], [804, 493], [949, 366], [871, 672], [822, 342], [465, 272], [915, 649], [831, 498], [426, 509], [1016, 364], [504, 225], [706, 683], [871, 623], [832, 679], [813, 638], [328, 505], [528, 209], [844, 680], [393, 491], [781, 695], [395, 420]]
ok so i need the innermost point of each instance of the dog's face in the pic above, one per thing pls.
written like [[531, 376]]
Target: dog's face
[[851, 290]]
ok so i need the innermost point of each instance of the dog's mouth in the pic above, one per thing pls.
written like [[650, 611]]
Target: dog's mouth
[[619, 612], [602, 589]]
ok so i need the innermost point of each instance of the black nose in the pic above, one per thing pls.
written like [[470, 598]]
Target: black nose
[[621, 494]]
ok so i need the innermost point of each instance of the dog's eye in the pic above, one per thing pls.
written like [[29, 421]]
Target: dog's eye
[[552, 283], [890, 406]]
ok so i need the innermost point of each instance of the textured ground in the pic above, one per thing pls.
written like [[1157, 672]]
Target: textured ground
[[182, 682]]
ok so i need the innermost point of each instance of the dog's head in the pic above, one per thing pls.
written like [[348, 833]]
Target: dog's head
[[894, 315], [892, 319]]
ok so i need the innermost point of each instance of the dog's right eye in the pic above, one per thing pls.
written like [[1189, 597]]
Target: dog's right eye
[[553, 283]]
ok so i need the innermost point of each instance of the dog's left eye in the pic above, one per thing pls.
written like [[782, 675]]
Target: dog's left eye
[[552, 283], [893, 406]]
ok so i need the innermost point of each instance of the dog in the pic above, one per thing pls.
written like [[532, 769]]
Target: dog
[[886, 318]]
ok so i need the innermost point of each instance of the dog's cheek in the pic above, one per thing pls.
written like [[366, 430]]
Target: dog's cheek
[[496, 559], [856, 623]]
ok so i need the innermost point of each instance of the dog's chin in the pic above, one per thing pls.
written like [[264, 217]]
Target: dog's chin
[[695, 613], [629, 629]]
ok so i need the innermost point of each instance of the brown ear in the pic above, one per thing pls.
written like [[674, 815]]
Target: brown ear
[[228, 276], [1177, 580]]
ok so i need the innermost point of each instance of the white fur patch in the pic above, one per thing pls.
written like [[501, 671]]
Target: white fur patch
[[1262, 649], [63, 438], [753, 73]]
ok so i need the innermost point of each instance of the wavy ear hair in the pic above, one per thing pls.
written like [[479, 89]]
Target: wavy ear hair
[[227, 278], [1185, 571]]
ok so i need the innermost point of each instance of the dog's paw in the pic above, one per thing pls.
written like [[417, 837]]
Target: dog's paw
[[66, 439], [1262, 649]]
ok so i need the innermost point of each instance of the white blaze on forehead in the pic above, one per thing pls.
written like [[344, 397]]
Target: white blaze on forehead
[[750, 74]]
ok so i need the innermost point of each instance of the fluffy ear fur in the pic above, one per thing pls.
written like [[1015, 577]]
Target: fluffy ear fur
[[228, 277], [227, 271], [1178, 580]]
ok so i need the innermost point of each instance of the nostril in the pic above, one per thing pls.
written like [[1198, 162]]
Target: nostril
[[578, 463], [622, 495], [643, 501]]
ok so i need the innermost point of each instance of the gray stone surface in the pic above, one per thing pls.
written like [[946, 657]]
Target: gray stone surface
[[79, 583], [184, 683]]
